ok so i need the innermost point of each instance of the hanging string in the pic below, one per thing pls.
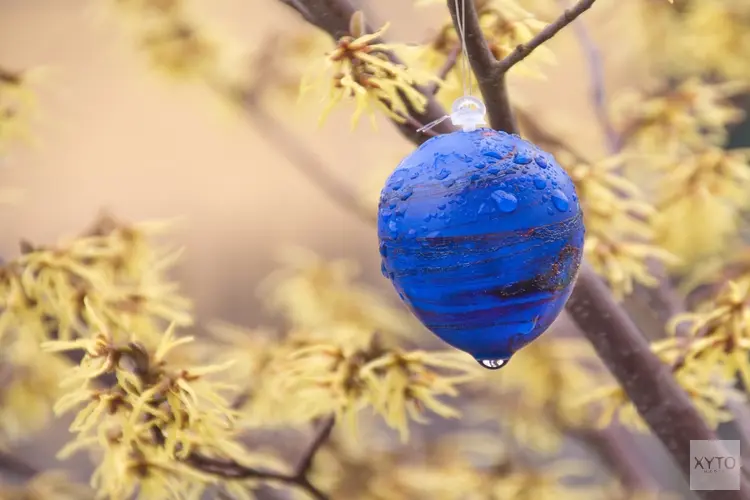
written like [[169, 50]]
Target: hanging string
[[465, 64], [467, 111]]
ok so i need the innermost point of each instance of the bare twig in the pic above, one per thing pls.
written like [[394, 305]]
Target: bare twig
[[450, 63], [230, 469], [523, 50], [598, 87], [13, 465]]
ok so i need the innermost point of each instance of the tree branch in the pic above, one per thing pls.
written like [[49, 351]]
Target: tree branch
[[230, 469], [523, 50], [660, 401], [485, 67], [598, 87], [15, 466]]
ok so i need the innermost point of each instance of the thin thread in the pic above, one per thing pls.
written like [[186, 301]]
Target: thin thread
[[465, 67]]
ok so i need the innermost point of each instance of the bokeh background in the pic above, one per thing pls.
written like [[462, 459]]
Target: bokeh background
[[113, 135]]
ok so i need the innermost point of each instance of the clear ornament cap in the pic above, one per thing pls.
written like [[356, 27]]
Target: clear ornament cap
[[468, 113]]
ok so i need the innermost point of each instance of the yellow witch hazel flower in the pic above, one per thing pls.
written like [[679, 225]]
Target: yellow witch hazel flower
[[398, 386], [173, 42], [619, 233], [718, 329], [114, 266], [701, 37], [17, 107], [151, 421], [668, 121], [314, 294], [359, 69], [541, 407], [709, 188]]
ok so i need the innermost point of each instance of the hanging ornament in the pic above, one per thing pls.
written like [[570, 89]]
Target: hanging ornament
[[481, 234]]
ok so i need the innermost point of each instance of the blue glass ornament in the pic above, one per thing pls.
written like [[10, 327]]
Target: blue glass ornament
[[481, 234]]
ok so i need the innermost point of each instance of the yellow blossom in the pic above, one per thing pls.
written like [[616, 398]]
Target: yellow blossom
[[708, 188], [398, 386], [314, 294], [619, 234], [17, 107], [672, 119], [359, 69], [537, 410], [701, 37]]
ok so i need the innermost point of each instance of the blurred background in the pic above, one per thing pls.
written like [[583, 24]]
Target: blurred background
[[112, 134]]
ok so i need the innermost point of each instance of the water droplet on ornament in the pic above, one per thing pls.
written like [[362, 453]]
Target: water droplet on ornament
[[560, 200], [442, 174], [414, 175], [540, 183], [506, 202], [407, 193], [412, 232], [494, 170], [493, 154], [386, 214], [475, 177], [392, 204], [449, 182], [397, 184], [393, 226], [550, 211], [442, 206], [383, 269], [542, 161], [427, 217], [522, 158], [383, 250], [480, 165]]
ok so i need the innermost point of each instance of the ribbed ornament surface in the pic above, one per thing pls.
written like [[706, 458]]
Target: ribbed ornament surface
[[481, 234]]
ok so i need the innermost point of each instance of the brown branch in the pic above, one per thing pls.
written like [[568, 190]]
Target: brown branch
[[485, 67], [15, 466], [598, 87], [660, 401], [442, 74], [230, 469], [523, 50]]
